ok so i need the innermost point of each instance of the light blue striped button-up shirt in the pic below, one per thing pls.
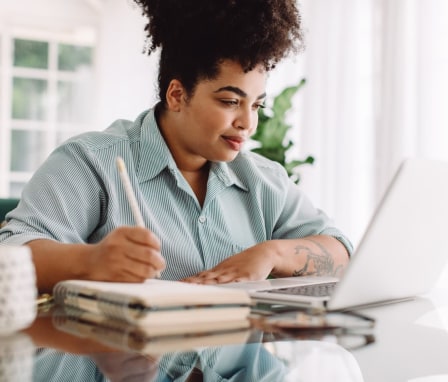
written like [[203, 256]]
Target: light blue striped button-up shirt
[[76, 196]]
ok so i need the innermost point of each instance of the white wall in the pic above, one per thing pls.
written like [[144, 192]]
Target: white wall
[[64, 15], [127, 78]]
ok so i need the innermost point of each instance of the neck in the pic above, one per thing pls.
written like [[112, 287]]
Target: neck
[[197, 179], [186, 162]]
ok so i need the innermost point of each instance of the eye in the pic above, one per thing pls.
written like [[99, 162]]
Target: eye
[[230, 102], [258, 106]]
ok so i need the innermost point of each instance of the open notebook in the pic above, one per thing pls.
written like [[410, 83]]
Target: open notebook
[[161, 304], [401, 254]]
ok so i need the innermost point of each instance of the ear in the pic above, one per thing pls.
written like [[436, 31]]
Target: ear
[[175, 95]]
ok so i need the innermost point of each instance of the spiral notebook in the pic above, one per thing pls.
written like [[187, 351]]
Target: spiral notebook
[[154, 302]]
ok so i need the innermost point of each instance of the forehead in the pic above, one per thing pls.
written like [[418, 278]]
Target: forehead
[[231, 74]]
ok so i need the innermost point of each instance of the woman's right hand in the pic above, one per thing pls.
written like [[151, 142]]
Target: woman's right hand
[[127, 254]]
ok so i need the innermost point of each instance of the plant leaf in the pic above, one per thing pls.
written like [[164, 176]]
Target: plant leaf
[[272, 130]]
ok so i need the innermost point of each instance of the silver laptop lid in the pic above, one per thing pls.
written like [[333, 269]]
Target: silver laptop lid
[[403, 250]]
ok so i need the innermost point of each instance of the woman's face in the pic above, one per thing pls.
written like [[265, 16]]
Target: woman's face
[[215, 122]]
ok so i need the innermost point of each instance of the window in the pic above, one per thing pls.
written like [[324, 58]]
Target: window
[[46, 95]]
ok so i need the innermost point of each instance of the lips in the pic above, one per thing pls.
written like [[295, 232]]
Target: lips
[[234, 142]]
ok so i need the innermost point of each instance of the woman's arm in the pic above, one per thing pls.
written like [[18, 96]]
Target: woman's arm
[[313, 255], [127, 254]]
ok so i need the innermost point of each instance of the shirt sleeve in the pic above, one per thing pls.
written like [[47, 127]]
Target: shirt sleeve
[[63, 201], [300, 218]]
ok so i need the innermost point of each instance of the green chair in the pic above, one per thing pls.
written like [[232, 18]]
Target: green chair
[[7, 205]]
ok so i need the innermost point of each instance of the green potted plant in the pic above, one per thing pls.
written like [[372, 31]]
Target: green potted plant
[[271, 134]]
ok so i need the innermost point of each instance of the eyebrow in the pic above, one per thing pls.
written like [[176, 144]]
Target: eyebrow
[[238, 91]]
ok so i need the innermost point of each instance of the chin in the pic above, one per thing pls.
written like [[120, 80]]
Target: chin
[[223, 156], [227, 158]]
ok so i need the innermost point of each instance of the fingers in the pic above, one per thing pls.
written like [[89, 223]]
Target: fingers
[[127, 254], [251, 264], [138, 273], [122, 270], [217, 277], [143, 248], [139, 245], [126, 367], [145, 256], [139, 235]]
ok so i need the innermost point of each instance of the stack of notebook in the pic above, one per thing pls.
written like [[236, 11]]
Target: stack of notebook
[[149, 316]]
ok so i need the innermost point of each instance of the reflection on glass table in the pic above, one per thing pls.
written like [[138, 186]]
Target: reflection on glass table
[[287, 361], [16, 357], [350, 330], [147, 340], [56, 355]]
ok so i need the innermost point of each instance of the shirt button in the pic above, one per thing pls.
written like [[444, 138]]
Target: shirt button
[[202, 219]]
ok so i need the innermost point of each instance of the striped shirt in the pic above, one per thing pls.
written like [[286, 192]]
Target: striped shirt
[[76, 196], [243, 362]]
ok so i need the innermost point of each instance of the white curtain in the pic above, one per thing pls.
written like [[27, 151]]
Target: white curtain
[[413, 83], [376, 92]]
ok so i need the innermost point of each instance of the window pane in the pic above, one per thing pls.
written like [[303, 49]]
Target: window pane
[[27, 150], [74, 101], [72, 57], [31, 54], [29, 97]]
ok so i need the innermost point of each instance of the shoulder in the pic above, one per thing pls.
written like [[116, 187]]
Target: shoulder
[[254, 169], [121, 138], [120, 132]]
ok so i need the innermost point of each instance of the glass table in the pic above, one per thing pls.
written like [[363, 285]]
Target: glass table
[[409, 342]]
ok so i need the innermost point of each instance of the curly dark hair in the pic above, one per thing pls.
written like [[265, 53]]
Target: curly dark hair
[[195, 36]]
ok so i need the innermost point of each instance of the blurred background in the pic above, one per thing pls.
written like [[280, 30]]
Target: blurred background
[[376, 89]]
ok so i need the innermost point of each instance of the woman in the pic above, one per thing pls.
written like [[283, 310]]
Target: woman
[[214, 213]]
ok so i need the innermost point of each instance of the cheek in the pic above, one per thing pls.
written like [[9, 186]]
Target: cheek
[[210, 124]]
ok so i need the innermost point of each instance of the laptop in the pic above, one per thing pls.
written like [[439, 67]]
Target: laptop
[[401, 255]]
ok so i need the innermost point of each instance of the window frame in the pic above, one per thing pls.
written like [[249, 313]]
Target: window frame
[[51, 127]]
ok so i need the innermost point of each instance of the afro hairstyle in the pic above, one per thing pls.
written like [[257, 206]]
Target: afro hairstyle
[[195, 36]]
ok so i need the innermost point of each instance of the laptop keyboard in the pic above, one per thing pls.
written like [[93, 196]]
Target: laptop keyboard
[[315, 290]]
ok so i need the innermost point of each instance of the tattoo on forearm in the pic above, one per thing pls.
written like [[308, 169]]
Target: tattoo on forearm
[[323, 261]]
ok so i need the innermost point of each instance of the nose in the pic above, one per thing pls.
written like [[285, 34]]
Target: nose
[[246, 119]]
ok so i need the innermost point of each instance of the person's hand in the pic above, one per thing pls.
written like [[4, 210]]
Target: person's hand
[[255, 263], [129, 367], [127, 254]]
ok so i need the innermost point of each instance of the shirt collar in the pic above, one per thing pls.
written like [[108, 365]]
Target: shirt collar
[[155, 156], [225, 173], [154, 153]]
